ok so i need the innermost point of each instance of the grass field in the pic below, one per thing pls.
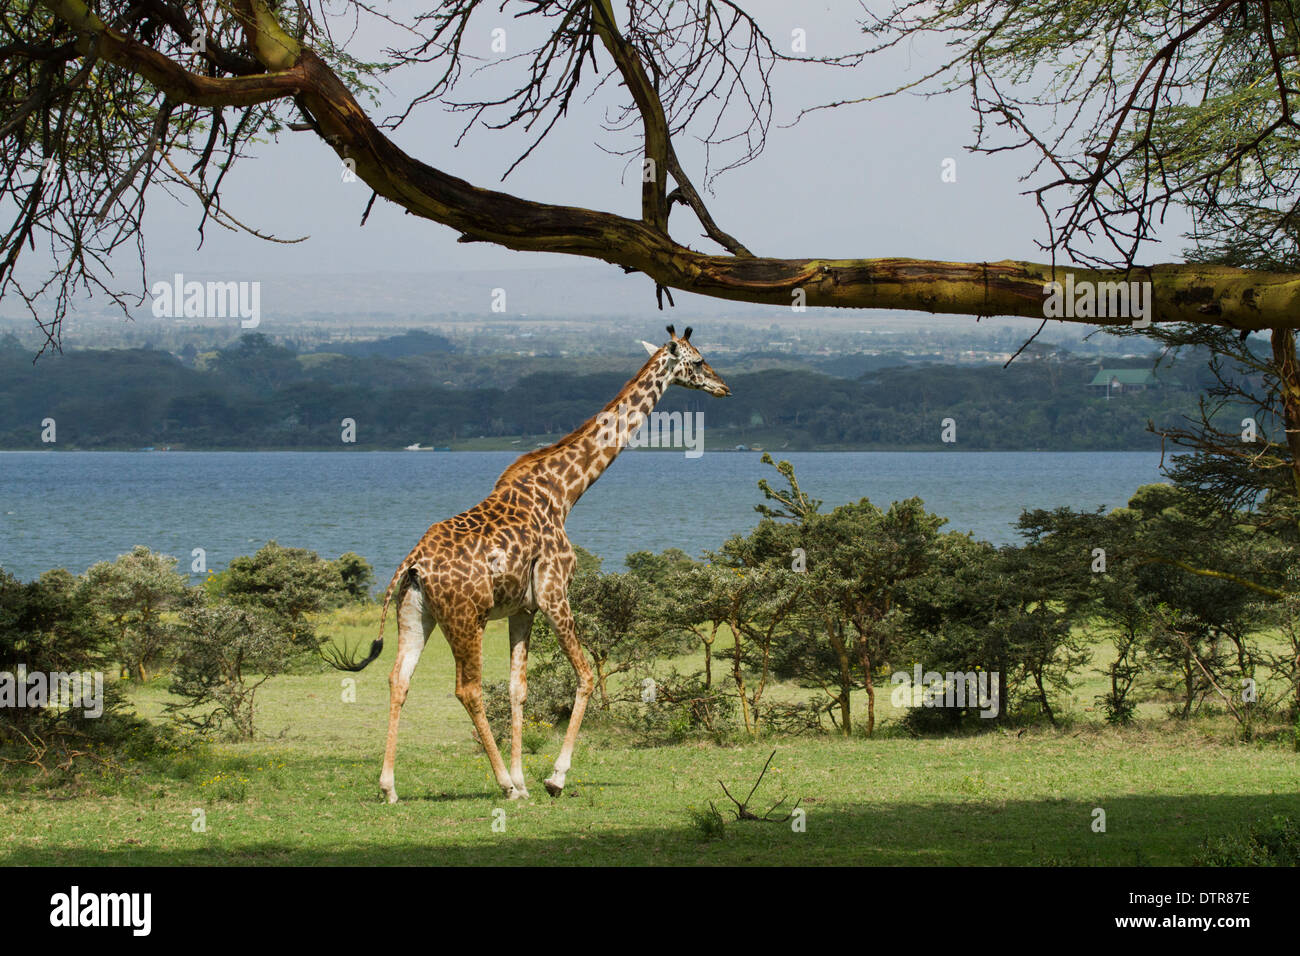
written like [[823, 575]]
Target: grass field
[[306, 793]]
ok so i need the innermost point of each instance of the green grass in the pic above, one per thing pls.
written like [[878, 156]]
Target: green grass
[[306, 793]]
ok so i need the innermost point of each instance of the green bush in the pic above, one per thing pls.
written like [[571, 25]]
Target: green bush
[[1271, 842], [287, 586], [708, 822], [132, 595], [49, 626], [226, 653], [356, 577], [682, 708], [1119, 708], [924, 721], [536, 735], [551, 690]]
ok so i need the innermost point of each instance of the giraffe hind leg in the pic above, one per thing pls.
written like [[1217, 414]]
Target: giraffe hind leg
[[414, 623]]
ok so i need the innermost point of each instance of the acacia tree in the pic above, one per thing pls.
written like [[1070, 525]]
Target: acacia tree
[[1126, 110], [757, 601], [1187, 636], [49, 626], [1131, 110], [132, 594], [1201, 626], [226, 654], [854, 564], [287, 585], [694, 605], [612, 613], [100, 100]]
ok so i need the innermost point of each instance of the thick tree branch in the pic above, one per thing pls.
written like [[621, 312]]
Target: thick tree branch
[[654, 206], [1221, 575], [659, 149], [1190, 293]]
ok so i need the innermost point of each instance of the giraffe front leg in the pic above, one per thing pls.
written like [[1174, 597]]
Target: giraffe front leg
[[521, 626], [471, 696], [467, 648], [562, 621]]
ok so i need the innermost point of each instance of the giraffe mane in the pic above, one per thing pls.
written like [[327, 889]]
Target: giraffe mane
[[525, 461]]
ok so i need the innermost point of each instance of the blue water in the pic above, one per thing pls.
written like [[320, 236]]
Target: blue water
[[71, 509]]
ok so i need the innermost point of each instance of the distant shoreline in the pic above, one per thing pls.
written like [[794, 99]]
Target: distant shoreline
[[524, 449]]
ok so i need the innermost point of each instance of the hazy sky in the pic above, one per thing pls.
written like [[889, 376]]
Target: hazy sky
[[858, 181]]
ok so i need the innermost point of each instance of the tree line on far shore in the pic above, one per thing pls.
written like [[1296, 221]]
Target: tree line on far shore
[[256, 394]]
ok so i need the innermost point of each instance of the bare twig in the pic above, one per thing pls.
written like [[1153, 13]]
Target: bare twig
[[742, 810]]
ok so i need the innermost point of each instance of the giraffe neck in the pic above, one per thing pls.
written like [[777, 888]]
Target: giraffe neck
[[573, 464], [600, 440]]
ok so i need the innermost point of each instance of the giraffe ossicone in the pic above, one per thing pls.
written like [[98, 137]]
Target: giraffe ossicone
[[509, 557]]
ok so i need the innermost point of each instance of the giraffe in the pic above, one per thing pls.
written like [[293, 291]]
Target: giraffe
[[509, 556]]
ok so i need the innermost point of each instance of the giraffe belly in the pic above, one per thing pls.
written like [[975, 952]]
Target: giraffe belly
[[506, 607], [512, 585]]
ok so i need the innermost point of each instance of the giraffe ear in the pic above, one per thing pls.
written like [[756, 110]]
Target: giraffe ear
[[652, 349]]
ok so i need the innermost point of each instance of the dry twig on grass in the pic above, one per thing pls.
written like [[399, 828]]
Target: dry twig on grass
[[742, 810]]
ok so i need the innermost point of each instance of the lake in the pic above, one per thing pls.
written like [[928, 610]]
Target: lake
[[71, 509]]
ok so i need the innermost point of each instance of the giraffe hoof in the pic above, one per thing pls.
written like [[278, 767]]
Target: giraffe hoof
[[517, 793], [388, 796], [554, 789]]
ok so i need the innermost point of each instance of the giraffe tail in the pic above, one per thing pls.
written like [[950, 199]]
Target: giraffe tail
[[345, 659]]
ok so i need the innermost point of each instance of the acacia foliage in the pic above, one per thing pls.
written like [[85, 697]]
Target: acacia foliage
[[839, 601]]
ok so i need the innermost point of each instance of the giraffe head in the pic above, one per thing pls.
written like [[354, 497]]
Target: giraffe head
[[688, 366]]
